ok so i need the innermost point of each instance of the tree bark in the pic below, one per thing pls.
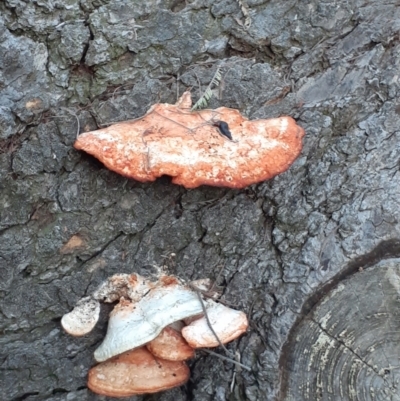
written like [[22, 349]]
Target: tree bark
[[310, 256]]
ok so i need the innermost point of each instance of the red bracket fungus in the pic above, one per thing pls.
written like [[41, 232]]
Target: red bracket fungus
[[133, 324], [193, 147], [136, 372], [147, 341], [227, 323], [171, 345], [82, 319]]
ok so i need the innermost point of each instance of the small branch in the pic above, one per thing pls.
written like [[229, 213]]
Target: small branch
[[177, 86], [226, 359], [208, 320], [176, 122], [218, 276], [237, 370], [211, 294], [199, 83]]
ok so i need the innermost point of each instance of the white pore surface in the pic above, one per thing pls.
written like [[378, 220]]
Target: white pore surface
[[82, 318], [131, 327]]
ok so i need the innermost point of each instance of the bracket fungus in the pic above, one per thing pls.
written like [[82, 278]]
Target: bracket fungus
[[133, 324], [147, 340], [171, 345], [136, 372], [82, 319], [130, 286], [195, 147], [227, 324]]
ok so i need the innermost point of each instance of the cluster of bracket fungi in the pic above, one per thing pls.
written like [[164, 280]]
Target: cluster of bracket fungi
[[152, 330], [207, 147], [156, 326]]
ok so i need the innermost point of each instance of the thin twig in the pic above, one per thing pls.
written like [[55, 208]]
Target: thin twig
[[218, 276], [177, 86], [220, 301], [198, 83], [191, 130], [108, 123], [237, 370], [118, 87], [209, 294], [208, 320], [176, 122], [226, 359]]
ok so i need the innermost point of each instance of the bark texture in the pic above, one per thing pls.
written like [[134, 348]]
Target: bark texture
[[310, 256]]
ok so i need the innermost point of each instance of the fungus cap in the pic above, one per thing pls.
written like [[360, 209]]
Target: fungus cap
[[170, 345], [82, 318], [172, 140], [136, 372], [132, 324], [227, 323], [130, 286]]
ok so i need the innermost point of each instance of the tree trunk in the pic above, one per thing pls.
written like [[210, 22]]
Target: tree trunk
[[310, 256]]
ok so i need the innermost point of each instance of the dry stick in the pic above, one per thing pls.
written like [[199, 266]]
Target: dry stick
[[220, 301], [213, 117], [208, 320], [199, 83], [209, 122], [191, 130], [193, 112], [237, 370], [121, 121], [218, 276], [177, 87], [118, 87], [226, 359], [170, 119], [215, 334], [176, 122]]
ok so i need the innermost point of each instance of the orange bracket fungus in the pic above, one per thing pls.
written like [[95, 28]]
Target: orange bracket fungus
[[208, 147], [82, 318], [147, 340], [171, 345], [136, 372], [133, 324], [227, 323]]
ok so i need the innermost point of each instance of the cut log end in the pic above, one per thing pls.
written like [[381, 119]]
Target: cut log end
[[347, 348]]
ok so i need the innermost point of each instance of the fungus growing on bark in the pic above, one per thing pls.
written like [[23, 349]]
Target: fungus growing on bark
[[227, 324], [82, 318], [188, 146], [133, 324], [170, 345], [136, 372], [145, 310], [130, 286]]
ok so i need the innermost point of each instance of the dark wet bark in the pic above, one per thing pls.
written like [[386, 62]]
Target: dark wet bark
[[290, 249]]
